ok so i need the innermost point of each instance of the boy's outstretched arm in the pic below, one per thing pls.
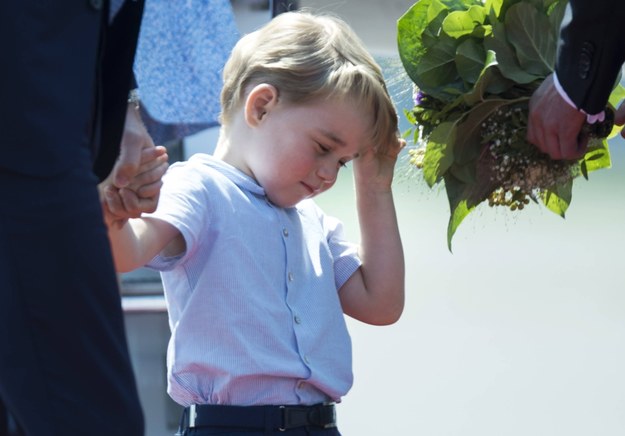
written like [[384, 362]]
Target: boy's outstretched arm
[[140, 239], [135, 241], [375, 293]]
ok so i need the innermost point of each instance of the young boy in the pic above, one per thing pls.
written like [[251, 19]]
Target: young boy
[[256, 277]]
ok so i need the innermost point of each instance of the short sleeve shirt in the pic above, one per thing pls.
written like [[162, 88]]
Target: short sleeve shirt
[[253, 302]]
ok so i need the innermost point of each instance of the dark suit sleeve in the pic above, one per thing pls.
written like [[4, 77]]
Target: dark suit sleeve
[[591, 51], [117, 80]]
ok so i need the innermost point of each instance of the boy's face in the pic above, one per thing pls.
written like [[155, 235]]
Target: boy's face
[[299, 149]]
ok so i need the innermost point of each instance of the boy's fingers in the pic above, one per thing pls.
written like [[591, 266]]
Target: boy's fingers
[[136, 205], [150, 190], [113, 200]]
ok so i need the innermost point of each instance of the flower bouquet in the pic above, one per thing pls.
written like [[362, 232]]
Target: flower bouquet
[[475, 64]]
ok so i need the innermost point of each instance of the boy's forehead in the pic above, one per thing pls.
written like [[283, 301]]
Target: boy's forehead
[[342, 120], [343, 138]]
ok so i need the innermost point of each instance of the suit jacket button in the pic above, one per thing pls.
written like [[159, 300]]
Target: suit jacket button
[[96, 4], [585, 59]]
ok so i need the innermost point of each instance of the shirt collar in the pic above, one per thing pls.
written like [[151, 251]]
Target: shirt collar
[[237, 176]]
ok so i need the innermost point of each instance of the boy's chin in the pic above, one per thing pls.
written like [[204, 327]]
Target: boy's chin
[[286, 202]]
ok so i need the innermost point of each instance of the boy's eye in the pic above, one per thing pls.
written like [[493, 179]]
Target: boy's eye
[[323, 147]]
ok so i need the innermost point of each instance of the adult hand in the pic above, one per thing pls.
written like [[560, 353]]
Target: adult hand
[[553, 125], [134, 139]]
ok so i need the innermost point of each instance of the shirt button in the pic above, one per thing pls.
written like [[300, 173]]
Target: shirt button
[[285, 232], [297, 319], [96, 4], [300, 385], [290, 276], [306, 359]]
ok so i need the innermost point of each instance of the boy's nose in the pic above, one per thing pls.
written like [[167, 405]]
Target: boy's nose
[[327, 173]]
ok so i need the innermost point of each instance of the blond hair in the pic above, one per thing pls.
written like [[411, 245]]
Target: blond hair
[[307, 57]]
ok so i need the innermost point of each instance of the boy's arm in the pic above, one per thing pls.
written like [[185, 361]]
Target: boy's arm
[[138, 240], [375, 292]]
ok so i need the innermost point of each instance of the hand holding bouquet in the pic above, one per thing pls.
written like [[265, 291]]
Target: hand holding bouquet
[[475, 64]]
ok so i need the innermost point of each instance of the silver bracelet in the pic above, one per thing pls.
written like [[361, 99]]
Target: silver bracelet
[[133, 98]]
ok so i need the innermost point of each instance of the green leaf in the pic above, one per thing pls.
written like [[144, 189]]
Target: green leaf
[[458, 205], [466, 173], [530, 32], [556, 9], [410, 26], [490, 81], [461, 23], [457, 216], [558, 198], [584, 169], [470, 58], [494, 6], [438, 66], [428, 56], [618, 93], [507, 60], [434, 9], [598, 156], [438, 152]]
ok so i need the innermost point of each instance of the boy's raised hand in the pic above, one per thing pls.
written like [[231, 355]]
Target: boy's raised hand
[[374, 169]]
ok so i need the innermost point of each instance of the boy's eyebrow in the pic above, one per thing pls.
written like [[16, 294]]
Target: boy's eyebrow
[[332, 137], [336, 140]]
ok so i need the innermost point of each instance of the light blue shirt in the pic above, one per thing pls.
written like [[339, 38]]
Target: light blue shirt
[[253, 302]]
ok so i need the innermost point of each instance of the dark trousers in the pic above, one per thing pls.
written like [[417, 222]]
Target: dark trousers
[[64, 363]]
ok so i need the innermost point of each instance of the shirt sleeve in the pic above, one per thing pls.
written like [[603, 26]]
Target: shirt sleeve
[[183, 203], [344, 252]]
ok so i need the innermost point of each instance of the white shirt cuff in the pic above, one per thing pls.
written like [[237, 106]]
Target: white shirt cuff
[[590, 118]]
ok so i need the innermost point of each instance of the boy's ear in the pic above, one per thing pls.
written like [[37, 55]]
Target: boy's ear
[[261, 99]]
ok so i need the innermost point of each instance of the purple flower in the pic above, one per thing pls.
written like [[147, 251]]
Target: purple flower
[[418, 97]]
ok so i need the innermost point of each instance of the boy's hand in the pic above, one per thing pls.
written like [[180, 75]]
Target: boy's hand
[[142, 192], [374, 169]]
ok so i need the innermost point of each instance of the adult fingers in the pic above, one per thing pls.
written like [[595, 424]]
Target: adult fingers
[[149, 190], [619, 115], [148, 177], [150, 154], [128, 162]]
